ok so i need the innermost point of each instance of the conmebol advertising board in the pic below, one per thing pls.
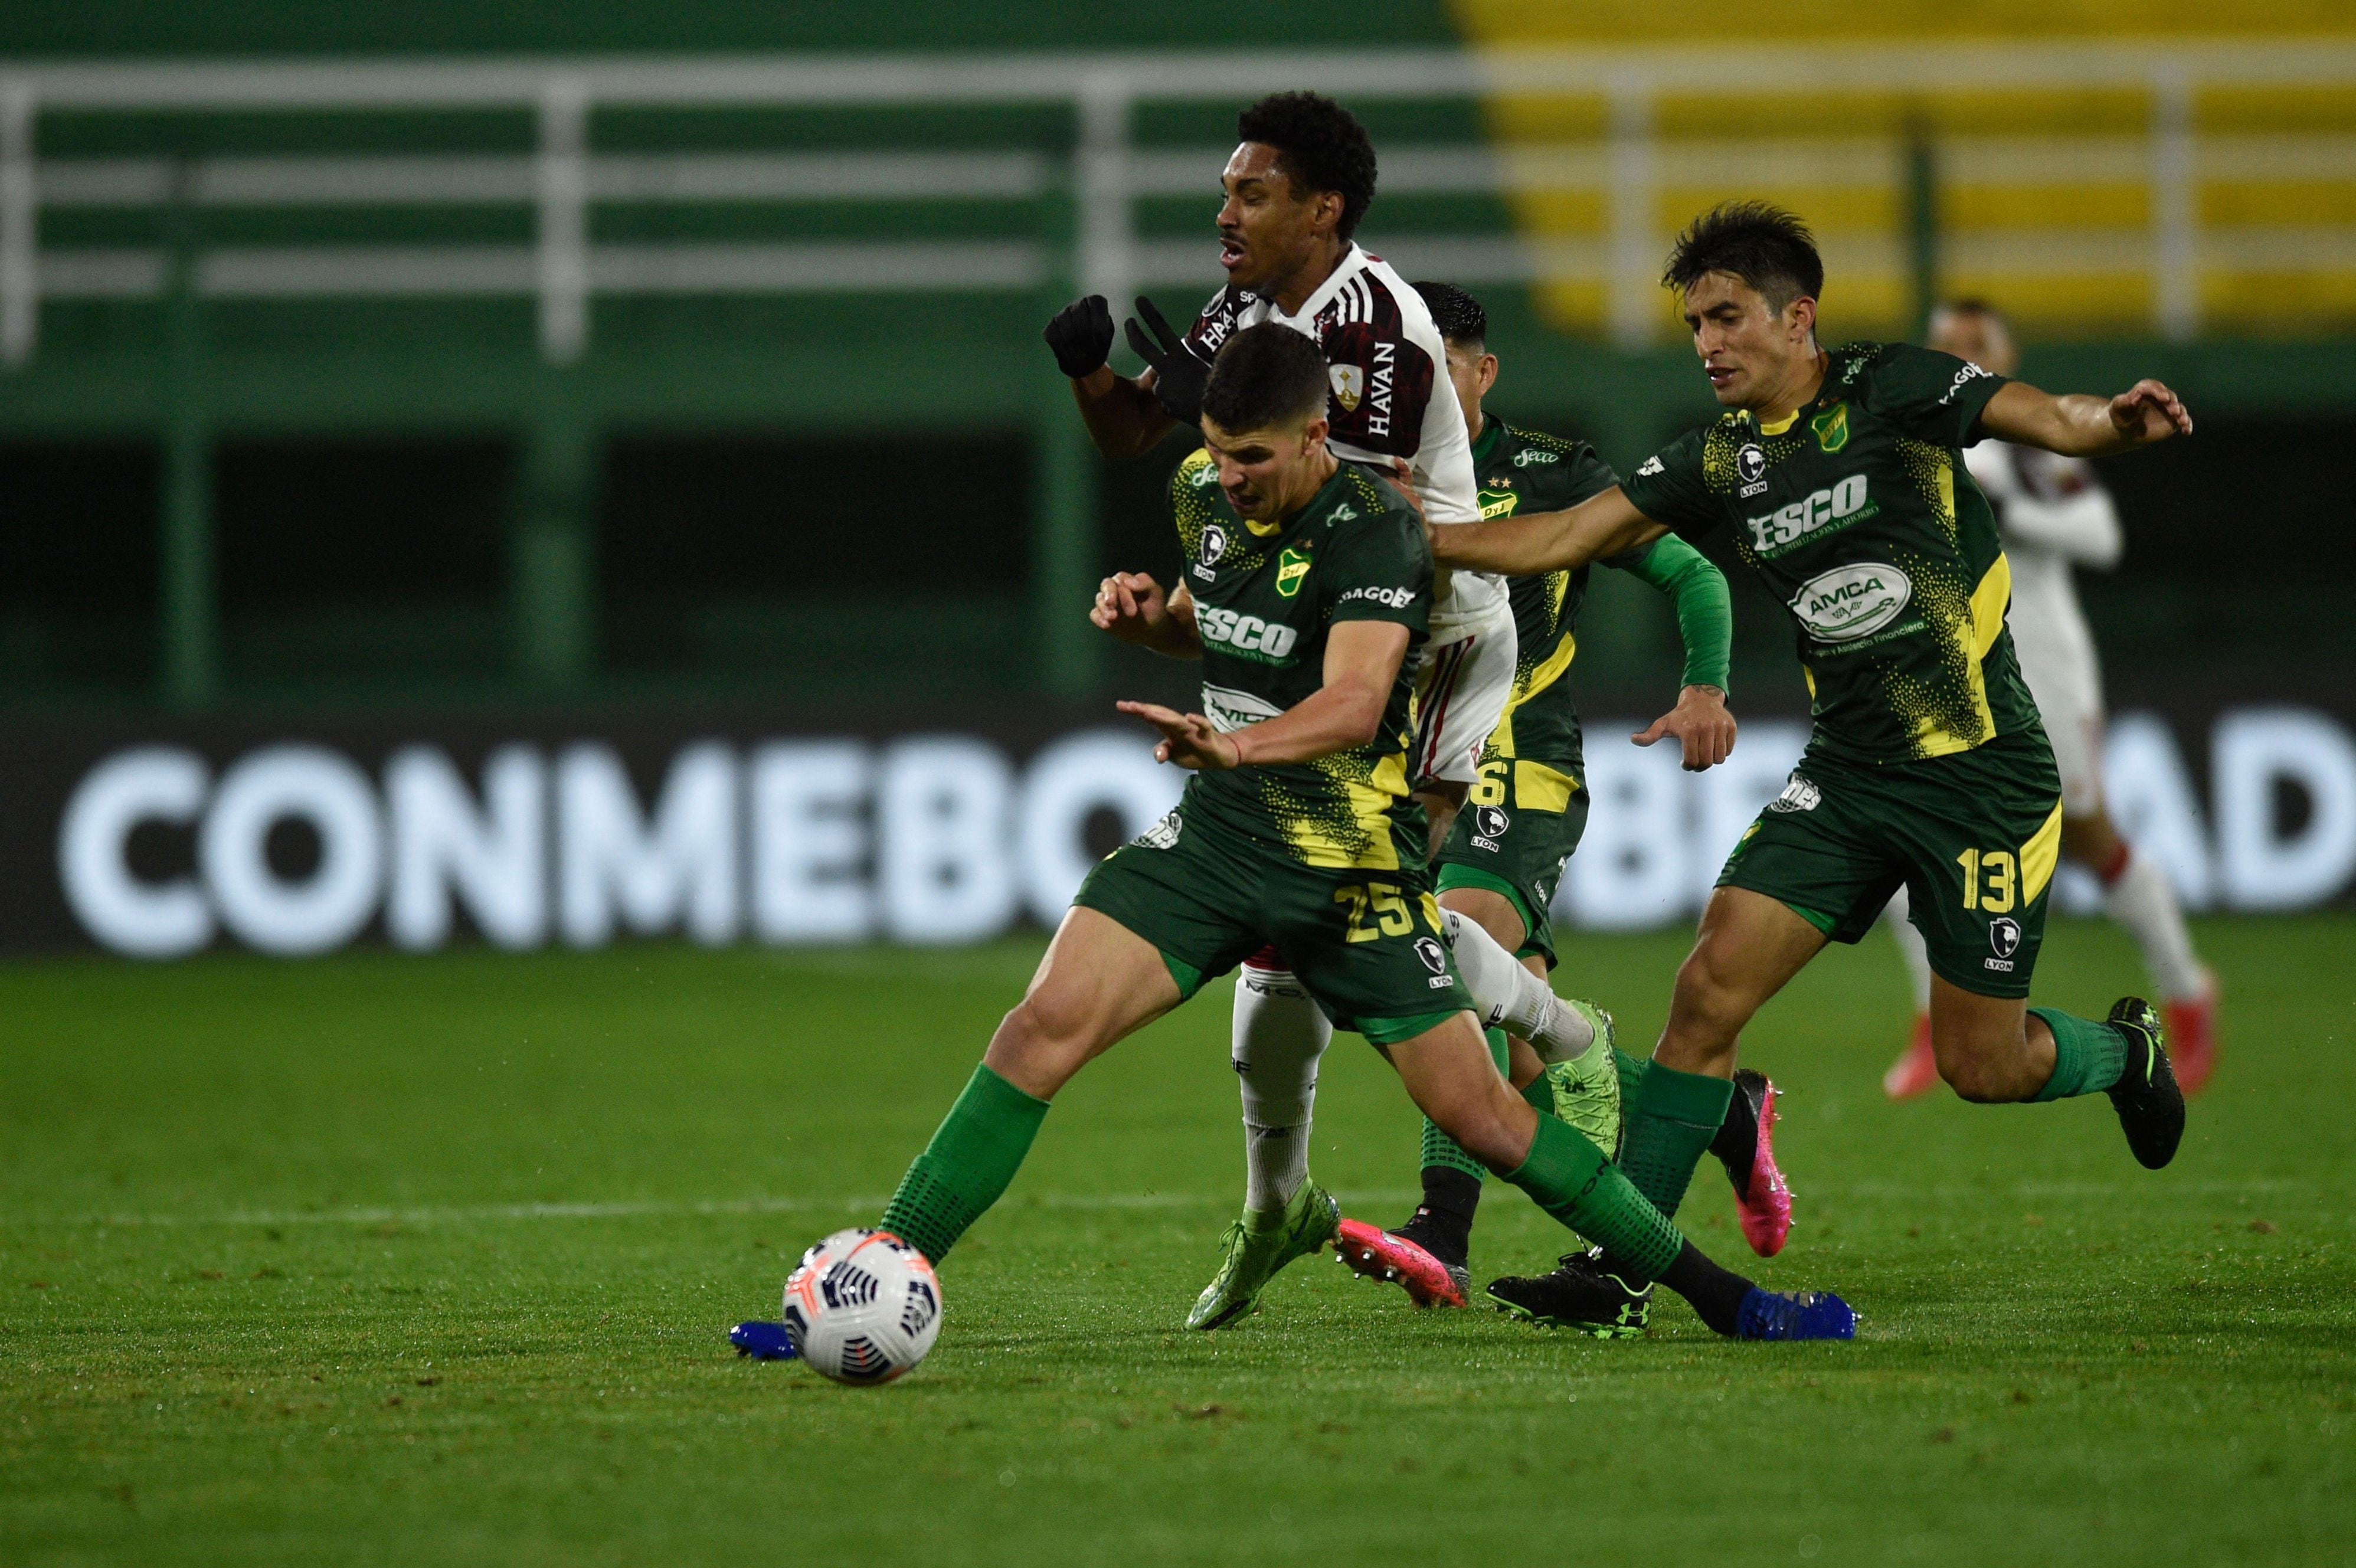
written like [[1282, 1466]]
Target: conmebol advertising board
[[301, 842]]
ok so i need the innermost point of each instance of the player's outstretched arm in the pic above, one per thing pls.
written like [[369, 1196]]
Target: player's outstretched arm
[[1602, 525], [1362, 660], [1124, 417], [1132, 607], [2079, 424]]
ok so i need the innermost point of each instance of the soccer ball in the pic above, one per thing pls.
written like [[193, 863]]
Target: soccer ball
[[863, 1306]]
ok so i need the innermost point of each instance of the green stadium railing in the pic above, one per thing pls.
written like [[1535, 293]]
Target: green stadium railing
[[531, 181]]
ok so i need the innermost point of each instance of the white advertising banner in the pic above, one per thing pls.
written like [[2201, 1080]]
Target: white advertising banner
[[945, 838]]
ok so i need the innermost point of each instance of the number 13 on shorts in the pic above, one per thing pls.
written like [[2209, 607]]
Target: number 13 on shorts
[[1991, 879]]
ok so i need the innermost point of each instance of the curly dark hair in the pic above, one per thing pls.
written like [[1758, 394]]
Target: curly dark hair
[[1766, 247], [1265, 376], [1462, 323], [1319, 145]]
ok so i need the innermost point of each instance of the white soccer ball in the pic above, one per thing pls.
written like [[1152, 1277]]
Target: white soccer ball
[[863, 1306]]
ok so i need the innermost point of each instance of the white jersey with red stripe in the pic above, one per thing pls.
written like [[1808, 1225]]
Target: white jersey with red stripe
[[1390, 397]]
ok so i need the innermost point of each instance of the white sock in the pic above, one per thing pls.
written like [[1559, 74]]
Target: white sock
[[1278, 1035], [2141, 898], [1911, 947], [1510, 998]]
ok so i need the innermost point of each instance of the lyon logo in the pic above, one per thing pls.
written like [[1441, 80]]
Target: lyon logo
[[1435, 958], [2004, 935], [1750, 463], [1349, 385], [1491, 821], [1214, 544]]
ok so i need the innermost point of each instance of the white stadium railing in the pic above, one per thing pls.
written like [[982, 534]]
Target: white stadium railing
[[1626, 169]]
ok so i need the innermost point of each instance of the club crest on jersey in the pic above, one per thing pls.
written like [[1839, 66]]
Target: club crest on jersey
[[1291, 567], [1349, 385], [1497, 502], [1750, 465], [1831, 427]]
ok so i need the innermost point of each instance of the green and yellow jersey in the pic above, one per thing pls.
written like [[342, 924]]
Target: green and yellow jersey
[[1858, 513], [1266, 595], [1521, 470]]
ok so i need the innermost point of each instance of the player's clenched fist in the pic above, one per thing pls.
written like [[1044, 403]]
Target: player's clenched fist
[[1081, 336], [2148, 412], [1132, 607], [1187, 739]]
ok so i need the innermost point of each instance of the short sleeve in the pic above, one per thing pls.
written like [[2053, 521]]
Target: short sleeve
[[1589, 476], [1382, 389], [1931, 396], [1378, 568], [1214, 324], [1668, 487]]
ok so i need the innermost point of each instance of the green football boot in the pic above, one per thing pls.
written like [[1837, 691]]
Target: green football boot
[[1254, 1254], [1587, 1088]]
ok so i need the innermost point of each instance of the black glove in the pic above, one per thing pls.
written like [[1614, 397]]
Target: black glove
[[1081, 336], [1178, 373]]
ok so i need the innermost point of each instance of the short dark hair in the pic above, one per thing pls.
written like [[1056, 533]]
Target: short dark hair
[[1265, 375], [1766, 247], [1462, 322], [1319, 145]]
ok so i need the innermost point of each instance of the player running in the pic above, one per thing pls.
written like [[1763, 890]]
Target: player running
[[1307, 583], [1295, 190], [1508, 849], [2052, 514], [1841, 478]]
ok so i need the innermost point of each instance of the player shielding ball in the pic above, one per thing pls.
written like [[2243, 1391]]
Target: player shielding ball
[[1294, 190], [1840, 475], [1297, 827], [2054, 516]]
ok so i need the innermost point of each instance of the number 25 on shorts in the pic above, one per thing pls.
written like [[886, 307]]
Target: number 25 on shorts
[[1990, 879], [1392, 917]]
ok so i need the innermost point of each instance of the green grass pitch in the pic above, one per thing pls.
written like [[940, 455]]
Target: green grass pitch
[[391, 1260]]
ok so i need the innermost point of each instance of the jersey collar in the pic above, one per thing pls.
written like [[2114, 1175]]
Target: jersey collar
[[1823, 385], [1353, 262], [1493, 430]]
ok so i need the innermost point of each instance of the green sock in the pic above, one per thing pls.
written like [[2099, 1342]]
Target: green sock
[[965, 1169], [1438, 1148], [1631, 1073], [1539, 1093], [2088, 1056], [1571, 1180], [1672, 1117]]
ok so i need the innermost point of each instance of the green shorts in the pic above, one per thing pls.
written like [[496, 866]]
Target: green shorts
[[1519, 824], [1367, 945], [1973, 837]]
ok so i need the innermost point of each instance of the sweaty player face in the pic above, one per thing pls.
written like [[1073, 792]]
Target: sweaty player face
[[1268, 471], [1750, 351], [1268, 230]]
